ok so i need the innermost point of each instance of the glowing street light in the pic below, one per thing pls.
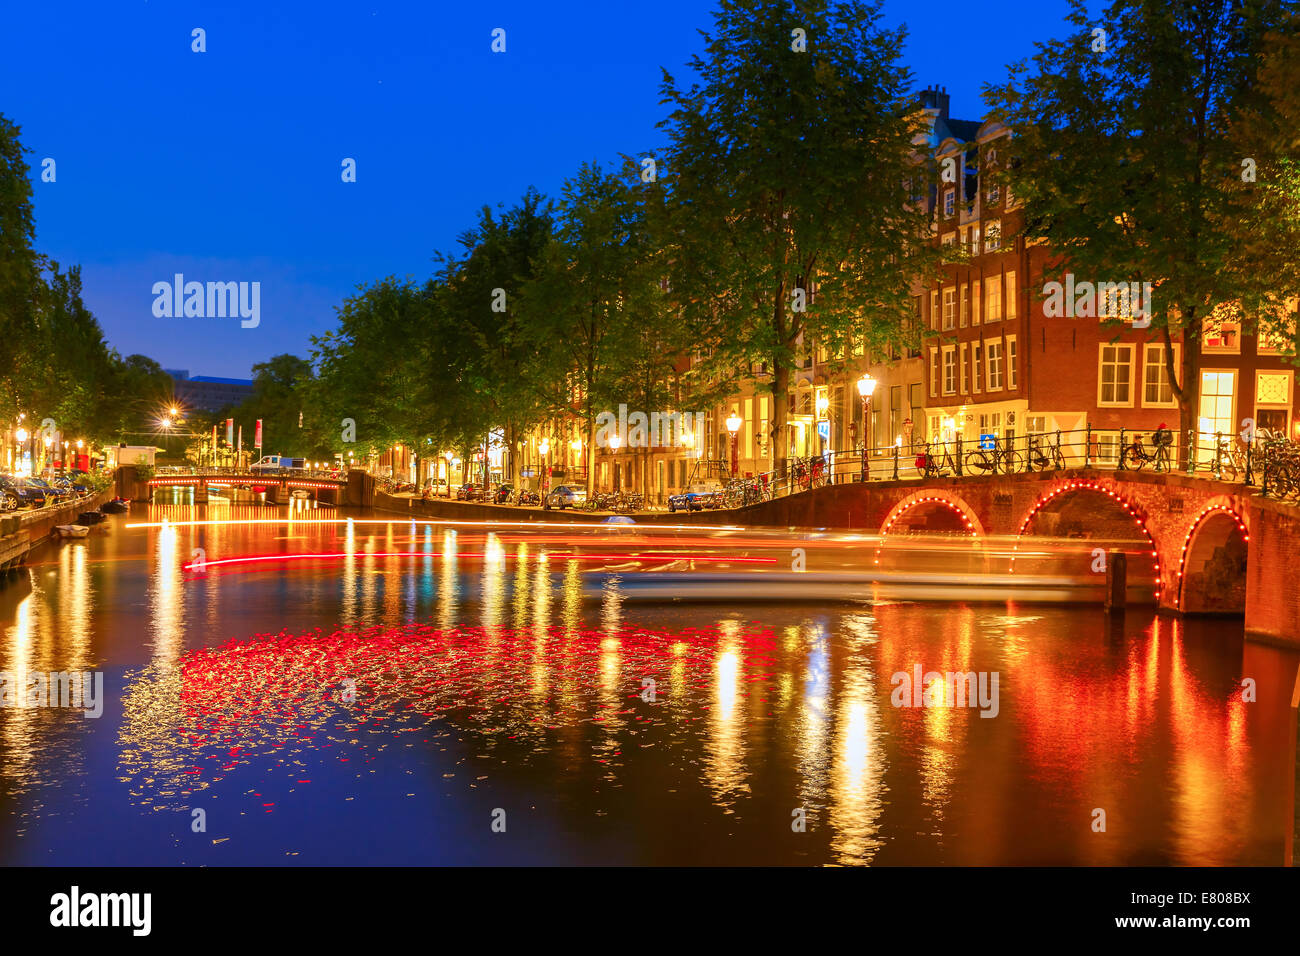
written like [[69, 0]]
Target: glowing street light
[[734, 421], [866, 385]]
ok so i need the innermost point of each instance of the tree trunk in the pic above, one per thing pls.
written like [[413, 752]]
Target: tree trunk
[[780, 414]]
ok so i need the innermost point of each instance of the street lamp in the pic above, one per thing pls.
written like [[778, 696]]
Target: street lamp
[[734, 422], [866, 385], [21, 435], [615, 442]]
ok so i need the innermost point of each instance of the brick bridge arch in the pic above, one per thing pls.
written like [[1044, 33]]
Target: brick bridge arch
[[929, 500]]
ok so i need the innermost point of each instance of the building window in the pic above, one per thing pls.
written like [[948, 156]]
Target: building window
[[1010, 279], [895, 411], [993, 359], [963, 368], [914, 400], [973, 248], [1222, 336], [994, 194], [949, 203], [934, 309], [949, 369], [1155, 376], [993, 235], [975, 302], [975, 365], [949, 239], [1217, 392], [1115, 376], [992, 299], [949, 308], [964, 305], [1013, 363], [934, 371]]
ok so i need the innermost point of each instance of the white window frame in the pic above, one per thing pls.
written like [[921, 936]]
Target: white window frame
[[1009, 308], [993, 363], [1147, 349], [949, 202], [949, 366], [1124, 348], [949, 309], [962, 366], [976, 370], [976, 303], [992, 235], [1013, 363], [934, 371], [963, 306], [993, 298]]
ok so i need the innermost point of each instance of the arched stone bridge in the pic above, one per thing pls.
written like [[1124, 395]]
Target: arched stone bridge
[[1216, 546]]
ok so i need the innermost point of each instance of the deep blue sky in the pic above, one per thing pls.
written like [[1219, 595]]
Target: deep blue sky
[[225, 165]]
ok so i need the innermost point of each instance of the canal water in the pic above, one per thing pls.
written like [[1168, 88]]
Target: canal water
[[433, 694]]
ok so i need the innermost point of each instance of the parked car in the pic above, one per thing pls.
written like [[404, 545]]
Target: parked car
[[565, 496], [27, 496], [435, 488], [469, 492], [51, 491], [697, 497]]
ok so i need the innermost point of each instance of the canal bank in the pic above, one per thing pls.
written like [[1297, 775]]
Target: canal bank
[[23, 532]]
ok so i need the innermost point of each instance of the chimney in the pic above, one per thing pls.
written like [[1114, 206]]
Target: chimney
[[934, 98]]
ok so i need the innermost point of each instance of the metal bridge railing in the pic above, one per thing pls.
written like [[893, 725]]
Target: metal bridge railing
[[1262, 460]]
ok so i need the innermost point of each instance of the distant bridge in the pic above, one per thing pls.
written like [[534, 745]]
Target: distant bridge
[[278, 488]]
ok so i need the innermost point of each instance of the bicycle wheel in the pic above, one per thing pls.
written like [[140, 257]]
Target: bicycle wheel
[[978, 460], [1012, 462], [1134, 460]]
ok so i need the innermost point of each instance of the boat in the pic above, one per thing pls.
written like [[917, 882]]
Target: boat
[[91, 517], [71, 530], [115, 507]]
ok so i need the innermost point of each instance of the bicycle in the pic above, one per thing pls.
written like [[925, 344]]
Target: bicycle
[[998, 459], [1036, 457], [1136, 457], [931, 467]]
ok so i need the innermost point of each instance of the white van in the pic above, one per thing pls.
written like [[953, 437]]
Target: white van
[[270, 464]]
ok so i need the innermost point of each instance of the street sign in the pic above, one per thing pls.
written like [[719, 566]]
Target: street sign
[[824, 429], [987, 441]]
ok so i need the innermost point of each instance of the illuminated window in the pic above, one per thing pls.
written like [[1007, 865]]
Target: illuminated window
[[993, 235], [934, 371], [1218, 390], [993, 356], [1222, 335], [1013, 361], [949, 370], [963, 368], [964, 305], [1010, 279], [975, 365], [992, 299], [949, 308]]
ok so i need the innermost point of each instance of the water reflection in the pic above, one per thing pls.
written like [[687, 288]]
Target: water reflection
[[484, 671]]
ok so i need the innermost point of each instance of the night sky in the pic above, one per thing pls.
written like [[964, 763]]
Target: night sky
[[225, 165]]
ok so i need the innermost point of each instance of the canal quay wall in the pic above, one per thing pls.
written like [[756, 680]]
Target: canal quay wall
[[29, 529], [1195, 525]]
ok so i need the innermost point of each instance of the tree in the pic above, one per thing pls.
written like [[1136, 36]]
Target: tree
[[482, 294], [1125, 155], [594, 297], [788, 177], [20, 267]]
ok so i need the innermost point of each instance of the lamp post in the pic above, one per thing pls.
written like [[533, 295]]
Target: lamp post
[[866, 385], [614, 443], [734, 422], [21, 435]]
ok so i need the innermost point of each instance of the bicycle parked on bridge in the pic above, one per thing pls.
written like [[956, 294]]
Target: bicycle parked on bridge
[[931, 467], [1136, 456], [1000, 459], [1042, 459]]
